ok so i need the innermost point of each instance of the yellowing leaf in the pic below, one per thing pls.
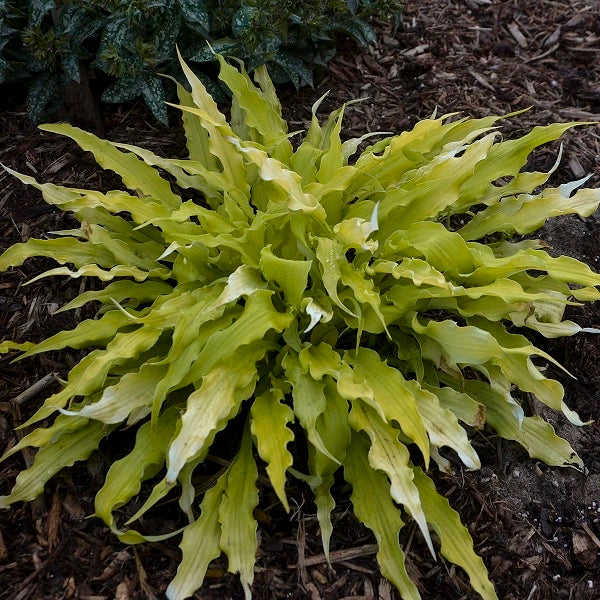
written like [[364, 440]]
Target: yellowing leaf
[[238, 526], [533, 433], [320, 360], [333, 158], [443, 427], [216, 400], [457, 545], [269, 424], [375, 508], [310, 402], [286, 180], [197, 136], [62, 250], [444, 250], [391, 456], [525, 213], [134, 172], [259, 317], [333, 426], [8, 346], [290, 275], [200, 544], [506, 159], [86, 333], [433, 189], [119, 291], [331, 256], [390, 395], [70, 447], [133, 391], [125, 476], [261, 114], [344, 307]]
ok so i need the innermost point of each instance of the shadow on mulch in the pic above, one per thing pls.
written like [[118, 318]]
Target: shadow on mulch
[[537, 528]]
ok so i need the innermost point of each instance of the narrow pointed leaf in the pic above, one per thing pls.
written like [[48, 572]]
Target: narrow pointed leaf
[[391, 456], [135, 173], [457, 545], [63, 452], [375, 508], [200, 544], [269, 423], [238, 526]]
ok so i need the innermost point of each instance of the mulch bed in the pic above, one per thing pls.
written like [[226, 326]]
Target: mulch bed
[[537, 528]]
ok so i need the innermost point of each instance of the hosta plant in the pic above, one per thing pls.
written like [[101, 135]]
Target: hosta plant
[[365, 309]]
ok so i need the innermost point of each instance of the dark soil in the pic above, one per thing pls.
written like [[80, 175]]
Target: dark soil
[[537, 528]]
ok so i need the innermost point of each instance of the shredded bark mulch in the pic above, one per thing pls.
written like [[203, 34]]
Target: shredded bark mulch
[[537, 528]]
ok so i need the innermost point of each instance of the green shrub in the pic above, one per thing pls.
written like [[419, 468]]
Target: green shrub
[[305, 296], [132, 41]]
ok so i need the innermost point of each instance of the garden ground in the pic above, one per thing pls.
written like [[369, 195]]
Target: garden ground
[[537, 528]]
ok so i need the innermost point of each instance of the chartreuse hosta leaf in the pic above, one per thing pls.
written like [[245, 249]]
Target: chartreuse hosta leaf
[[374, 506], [259, 292], [270, 417]]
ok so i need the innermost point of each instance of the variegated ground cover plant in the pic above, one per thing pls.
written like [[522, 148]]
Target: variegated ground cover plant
[[368, 305]]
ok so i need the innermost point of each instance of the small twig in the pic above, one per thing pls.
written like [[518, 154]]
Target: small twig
[[481, 79], [33, 576], [301, 545], [542, 55], [410, 538], [592, 535], [33, 390], [339, 555], [37, 505], [143, 578]]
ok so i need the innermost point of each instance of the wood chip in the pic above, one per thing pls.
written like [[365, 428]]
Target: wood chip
[[122, 591], [592, 535], [73, 508], [530, 87], [576, 168], [53, 526], [553, 38], [576, 113], [318, 576], [475, 4], [143, 578], [416, 50], [301, 546], [390, 41], [576, 20], [116, 564], [357, 568], [481, 79], [385, 590], [70, 588], [542, 55], [584, 548], [60, 163], [312, 589], [516, 33], [3, 548]]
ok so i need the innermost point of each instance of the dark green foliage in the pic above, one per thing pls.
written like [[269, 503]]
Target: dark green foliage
[[47, 42]]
